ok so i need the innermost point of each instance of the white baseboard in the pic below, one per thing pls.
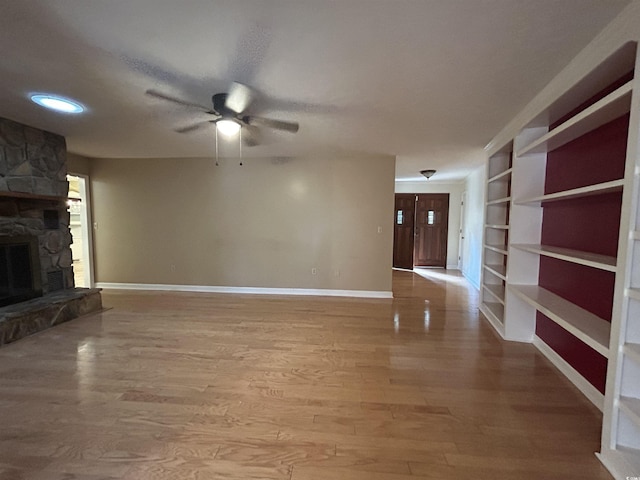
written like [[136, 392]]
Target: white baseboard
[[453, 266], [571, 373], [472, 281], [246, 290], [622, 465], [493, 321]]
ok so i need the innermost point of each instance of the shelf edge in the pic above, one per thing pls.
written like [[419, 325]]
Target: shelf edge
[[568, 256], [588, 190]]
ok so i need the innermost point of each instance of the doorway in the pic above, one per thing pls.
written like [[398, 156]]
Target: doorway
[[461, 235], [79, 225], [420, 230]]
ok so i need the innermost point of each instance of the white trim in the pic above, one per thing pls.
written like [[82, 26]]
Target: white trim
[[453, 266], [86, 227], [620, 462], [493, 321], [571, 373], [246, 290], [471, 280]]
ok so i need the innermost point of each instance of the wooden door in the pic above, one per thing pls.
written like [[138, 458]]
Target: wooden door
[[431, 220], [403, 230]]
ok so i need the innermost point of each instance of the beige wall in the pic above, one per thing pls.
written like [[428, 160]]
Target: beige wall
[[264, 224], [78, 165]]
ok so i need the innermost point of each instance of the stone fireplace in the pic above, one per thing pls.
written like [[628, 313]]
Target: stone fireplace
[[33, 212]]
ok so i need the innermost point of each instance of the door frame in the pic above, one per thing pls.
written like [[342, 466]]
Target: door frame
[[86, 223], [446, 239], [461, 234]]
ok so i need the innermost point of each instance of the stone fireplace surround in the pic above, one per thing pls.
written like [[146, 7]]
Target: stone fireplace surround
[[33, 193]]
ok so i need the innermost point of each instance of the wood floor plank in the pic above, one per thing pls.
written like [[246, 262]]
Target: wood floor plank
[[184, 386]]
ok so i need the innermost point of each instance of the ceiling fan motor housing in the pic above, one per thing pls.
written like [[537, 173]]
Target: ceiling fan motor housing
[[219, 101]]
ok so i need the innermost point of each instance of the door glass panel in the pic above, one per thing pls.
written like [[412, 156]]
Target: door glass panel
[[399, 218], [430, 217]]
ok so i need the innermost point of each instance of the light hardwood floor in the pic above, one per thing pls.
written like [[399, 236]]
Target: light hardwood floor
[[201, 386]]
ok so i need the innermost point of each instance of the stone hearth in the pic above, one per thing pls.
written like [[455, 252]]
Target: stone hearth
[[25, 318]]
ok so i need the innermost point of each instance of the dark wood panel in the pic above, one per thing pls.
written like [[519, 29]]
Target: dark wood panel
[[403, 230], [432, 218]]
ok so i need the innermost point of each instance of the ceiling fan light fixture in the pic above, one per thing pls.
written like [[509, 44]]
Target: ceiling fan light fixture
[[428, 173], [227, 127]]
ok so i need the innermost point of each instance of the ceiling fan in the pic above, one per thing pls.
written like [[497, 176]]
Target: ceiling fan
[[230, 112]]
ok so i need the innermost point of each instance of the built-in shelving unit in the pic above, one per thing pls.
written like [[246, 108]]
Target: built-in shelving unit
[[496, 235], [561, 253]]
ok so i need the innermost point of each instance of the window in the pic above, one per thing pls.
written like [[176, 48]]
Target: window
[[399, 218], [431, 214]]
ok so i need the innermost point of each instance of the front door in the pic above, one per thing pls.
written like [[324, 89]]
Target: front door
[[403, 231], [431, 219]]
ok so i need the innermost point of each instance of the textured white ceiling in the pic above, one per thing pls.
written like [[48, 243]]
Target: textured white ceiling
[[430, 81]]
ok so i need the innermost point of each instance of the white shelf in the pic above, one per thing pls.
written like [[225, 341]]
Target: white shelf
[[498, 227], [495, 322], [632, 350], [592, 330], [623, 462], [496, 248], [496, 310], [502, 176], [498, 270], [634, 293], [603, 262], [630, 406], [496, 291], [598, 189], [499, 201], [603, 111]]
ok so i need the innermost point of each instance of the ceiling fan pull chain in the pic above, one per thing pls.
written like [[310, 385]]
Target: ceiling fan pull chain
[[216, 129], [240, 140]]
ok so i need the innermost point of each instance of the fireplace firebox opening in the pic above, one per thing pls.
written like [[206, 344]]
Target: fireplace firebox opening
[[20, 277]]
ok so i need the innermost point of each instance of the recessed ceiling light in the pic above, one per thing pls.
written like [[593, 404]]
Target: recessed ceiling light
[[59, 104]]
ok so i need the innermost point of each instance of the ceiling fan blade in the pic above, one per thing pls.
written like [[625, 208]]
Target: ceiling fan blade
[[271, 123], [239, 97], [191, 128], [251, 136], [169, 98]]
